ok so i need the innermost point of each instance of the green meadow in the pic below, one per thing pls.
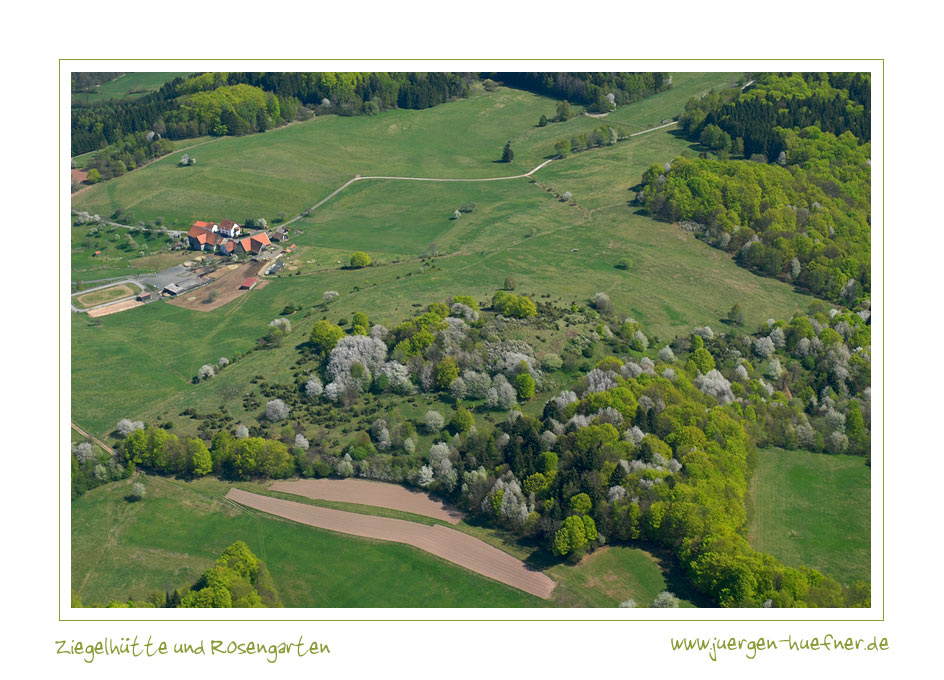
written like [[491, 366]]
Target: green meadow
[[291, 168], [814, 510], [129, 85]]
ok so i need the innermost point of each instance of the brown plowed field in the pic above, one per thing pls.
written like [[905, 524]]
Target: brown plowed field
[[449, 544], [367, 492]]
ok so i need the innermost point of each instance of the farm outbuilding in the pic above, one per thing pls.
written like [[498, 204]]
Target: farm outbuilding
[[249, 284]]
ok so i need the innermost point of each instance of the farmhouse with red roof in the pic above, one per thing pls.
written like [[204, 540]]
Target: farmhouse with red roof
[[224, 238]]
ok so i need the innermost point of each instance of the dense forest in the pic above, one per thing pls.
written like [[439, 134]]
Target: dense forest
[[588, 89], [652, 441], [749, 119]]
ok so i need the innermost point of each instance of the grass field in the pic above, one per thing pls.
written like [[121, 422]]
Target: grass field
[[126, 86], [122, 252], [291, 168], [122, 549], [812, 509]]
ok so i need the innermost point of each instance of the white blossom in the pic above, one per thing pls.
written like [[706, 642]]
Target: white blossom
[[764, 347], [434, 421], [301, 441], [126, 427], [276, 410], [329, 295], [715, 385], [314, 388], [501, 394], [666, 355], [705, 332], [600, 381], [242, 431]]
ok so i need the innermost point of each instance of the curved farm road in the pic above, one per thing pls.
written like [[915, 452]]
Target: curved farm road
[[449, 544], [366, 492]]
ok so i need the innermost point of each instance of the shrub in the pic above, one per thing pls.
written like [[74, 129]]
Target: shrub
[[359, 259]]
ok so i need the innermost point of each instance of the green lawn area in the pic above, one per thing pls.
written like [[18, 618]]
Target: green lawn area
[[126, 86], [813, 509], [122, 550]]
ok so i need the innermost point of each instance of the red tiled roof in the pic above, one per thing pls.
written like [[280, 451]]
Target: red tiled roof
[[229, 246], [203, 225], [227, 224], [249, 283]]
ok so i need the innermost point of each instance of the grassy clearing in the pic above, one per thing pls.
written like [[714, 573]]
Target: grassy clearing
[[127, 86], [122, 549], [812, 509]]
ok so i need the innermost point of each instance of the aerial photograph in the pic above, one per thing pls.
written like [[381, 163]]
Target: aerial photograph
[[470, 339]]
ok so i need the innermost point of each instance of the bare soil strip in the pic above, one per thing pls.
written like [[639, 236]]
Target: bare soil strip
[[366, 492], [114, 308], [449, 544]]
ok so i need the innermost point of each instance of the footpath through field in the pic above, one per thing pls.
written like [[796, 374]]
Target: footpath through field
[[358, 178], [449, 544], [367, 492]]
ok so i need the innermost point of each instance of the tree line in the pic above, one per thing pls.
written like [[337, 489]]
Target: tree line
[[589, 89]]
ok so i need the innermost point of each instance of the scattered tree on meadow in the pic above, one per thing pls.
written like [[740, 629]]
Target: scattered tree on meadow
[[507, 153], [359, 259]]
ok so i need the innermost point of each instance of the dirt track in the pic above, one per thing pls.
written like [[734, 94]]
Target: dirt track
[[366, 492], [449, 544], [114, 308]]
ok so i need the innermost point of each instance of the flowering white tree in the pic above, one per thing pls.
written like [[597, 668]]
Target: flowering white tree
[[126, 427], [764, 347], [369, 353], [283, 324], [601, 301], [223, 362], [665, 599], [666, 354], [329, 296], [715, 385], [501, 394], [434, 421], [314, 388], [398, 377], [301, 442], [600, 381], [476, 384], [276, 410], [206, 371], [425, 476], [705, 332], [83, 452], [345, 466], [242, 431]]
